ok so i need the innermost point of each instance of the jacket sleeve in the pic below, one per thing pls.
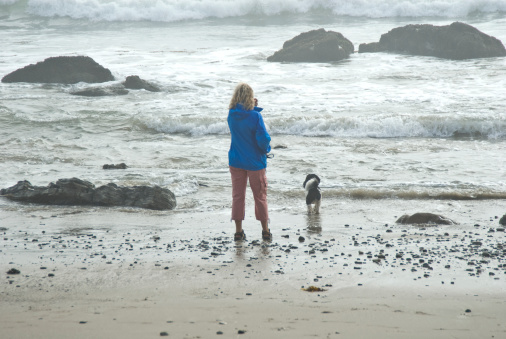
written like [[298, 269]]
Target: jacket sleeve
[[263, 138]]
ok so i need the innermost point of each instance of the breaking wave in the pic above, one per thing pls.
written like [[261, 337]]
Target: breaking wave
[[177, 10], [379, 126]]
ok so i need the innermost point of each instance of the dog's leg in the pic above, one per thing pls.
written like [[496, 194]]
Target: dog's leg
[[317, 206], [309, 209]]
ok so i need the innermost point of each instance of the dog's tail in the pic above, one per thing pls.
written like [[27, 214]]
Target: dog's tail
[[311, 183]]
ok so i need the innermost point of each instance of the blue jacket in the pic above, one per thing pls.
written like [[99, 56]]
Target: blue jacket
[[250, 140]]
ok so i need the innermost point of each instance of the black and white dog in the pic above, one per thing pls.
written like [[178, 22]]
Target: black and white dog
[[313, 194]]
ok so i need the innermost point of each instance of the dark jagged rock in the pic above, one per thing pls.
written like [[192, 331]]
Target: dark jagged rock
[[63, 70], [314, 46], [425, 218], [456, 41], [117, 166], [13, 271], [134, 82], [502, 221], [75, 191], [101, 92]]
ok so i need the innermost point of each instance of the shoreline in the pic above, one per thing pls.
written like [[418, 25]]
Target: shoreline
[[132, 273]]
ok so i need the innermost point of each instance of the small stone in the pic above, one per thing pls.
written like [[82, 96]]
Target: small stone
[[13, 271], [164, 334], [241, 332], [219, 333], [302, 239], [468, 311]]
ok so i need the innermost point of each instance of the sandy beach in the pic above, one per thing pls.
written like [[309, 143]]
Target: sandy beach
[[88, 272]]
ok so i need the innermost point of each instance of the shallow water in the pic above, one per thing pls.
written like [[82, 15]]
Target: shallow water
[[375, 126]]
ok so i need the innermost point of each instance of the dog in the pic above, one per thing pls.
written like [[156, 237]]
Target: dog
[[313, 194]]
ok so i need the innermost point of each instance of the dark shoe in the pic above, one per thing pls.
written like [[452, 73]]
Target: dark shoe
[[267, 235], [238, 236]]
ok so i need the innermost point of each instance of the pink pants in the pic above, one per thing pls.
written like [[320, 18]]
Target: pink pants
[[258, 184]]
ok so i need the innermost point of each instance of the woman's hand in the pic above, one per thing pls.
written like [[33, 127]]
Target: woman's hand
[[256, 101]]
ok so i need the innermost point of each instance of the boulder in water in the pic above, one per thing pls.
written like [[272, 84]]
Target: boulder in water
[[134, 82], [314, 46], [75, 191], [63, 70], [117, 166], [456, 41]]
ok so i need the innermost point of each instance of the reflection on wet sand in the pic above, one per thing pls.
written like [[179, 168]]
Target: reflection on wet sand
[[313, 222]]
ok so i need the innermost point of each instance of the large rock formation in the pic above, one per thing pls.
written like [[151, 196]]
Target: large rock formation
[[79, 192], [456, 41], [63, 70], [425, 218], [314, 46], [134, 82], [502, 221]]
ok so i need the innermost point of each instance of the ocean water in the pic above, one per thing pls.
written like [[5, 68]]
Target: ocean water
[[376, 126]]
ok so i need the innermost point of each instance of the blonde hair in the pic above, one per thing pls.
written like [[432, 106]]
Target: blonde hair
[[243, 94]]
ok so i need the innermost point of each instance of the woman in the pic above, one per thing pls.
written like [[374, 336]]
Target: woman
[[247, 158]]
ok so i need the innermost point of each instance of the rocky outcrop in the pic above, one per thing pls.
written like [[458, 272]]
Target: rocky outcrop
[[63, 70], [425, 218], [75, 191], [101, 91], [134, 82], [131, 82], [502, 221], [456, 41], [314, 46]]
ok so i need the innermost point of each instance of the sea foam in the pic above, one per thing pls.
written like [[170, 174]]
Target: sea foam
[[176, 10], [377, 126]]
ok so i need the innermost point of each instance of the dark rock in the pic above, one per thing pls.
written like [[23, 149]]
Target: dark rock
[[372, 47], [280, 147], [164, 334], [101, 91], [456, 41], [134, 82], [13, 271], [425, 218], [79, 192], [502, 221], [63, 70], [314, 46], [117, 166]]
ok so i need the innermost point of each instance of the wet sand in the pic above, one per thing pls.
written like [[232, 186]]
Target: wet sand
[[130, 273]]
